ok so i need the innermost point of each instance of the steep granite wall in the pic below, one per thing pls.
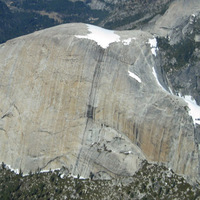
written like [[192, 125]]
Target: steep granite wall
[[67, 99]]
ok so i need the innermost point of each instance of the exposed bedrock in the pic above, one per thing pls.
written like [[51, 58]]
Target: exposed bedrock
[[67, 101]]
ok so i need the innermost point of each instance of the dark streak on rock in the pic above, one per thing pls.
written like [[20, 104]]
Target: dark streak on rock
[[7, 115], [90, 111], [92, 96], [57, 157]]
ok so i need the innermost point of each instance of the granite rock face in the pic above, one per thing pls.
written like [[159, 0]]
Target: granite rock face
[[68, 100], [177, 22]]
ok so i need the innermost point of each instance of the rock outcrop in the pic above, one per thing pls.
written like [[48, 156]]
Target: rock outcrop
[[67, 99], [176, 22]]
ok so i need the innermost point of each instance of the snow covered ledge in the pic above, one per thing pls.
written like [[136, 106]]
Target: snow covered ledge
[[153, 45], [101, 36], [104, 37], [131, 74], [194, 111]]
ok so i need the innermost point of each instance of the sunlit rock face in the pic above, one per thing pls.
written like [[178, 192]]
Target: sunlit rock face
[[91, 100], [176, 23]]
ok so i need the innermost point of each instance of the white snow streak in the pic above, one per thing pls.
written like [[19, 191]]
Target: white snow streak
[[102, 36], [13, 170], [153, 45], [194, 109], [131, 74], [79, 177], [155, 75], [49, 170], [16, 171], [62, 175], [128, 152], [128, 41]]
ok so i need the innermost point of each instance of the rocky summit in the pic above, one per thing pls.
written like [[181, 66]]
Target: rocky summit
[[93, 101]]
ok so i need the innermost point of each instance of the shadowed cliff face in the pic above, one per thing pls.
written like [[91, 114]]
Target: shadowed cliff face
[[67, 99]]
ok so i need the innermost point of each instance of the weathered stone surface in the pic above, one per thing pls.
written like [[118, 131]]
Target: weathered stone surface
[[177, 20], [66, 101]]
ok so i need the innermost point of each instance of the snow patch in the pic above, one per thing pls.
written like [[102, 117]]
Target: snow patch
[[128, 41], [102, 36], [83, 178], [79, 177], [155, 75], [62, 175], [50, 170], [194, 108], [131, 74], [44, 171], [153, 45], [128, 152], [16, 171]]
